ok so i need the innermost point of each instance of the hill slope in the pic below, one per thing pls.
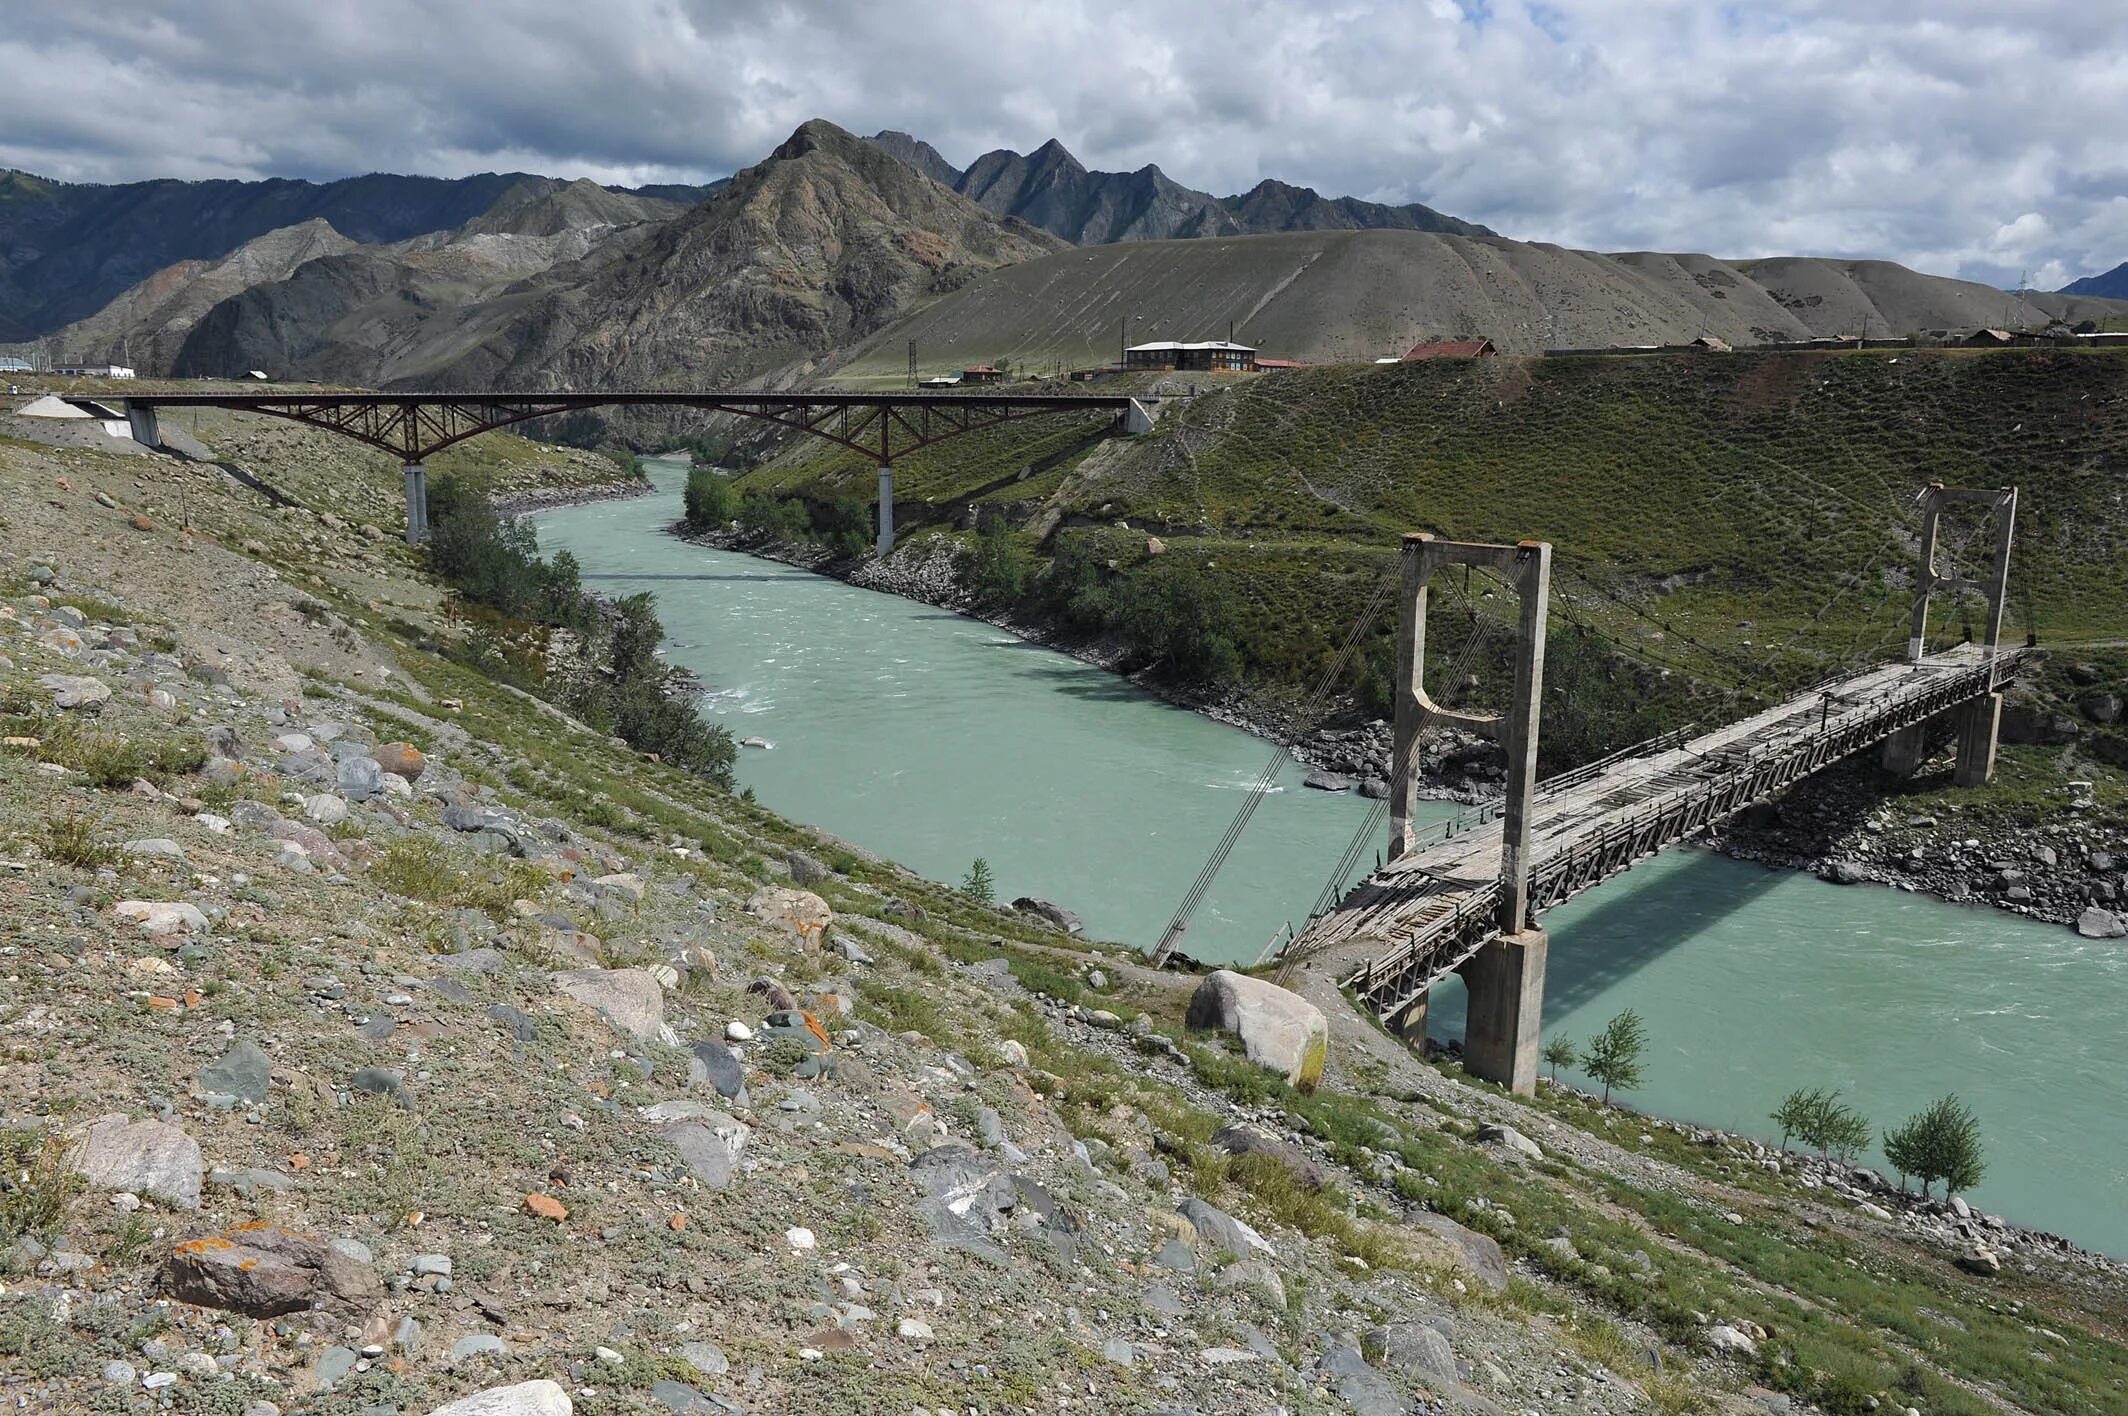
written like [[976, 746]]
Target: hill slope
[[470, 1050], [1051, 189], [1359, 295]]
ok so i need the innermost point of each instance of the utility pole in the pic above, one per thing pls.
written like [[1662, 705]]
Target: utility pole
[[912, 363]]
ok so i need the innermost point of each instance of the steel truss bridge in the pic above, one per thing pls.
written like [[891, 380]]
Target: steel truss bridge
[[413, 426], [1428, 912]]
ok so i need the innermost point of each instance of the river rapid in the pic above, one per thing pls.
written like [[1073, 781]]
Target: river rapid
[[934, 739]]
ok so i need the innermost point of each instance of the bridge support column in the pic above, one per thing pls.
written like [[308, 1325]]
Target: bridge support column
[[1903, 750], [1409, 1021], [1506, 983], [417, 503], [886, 509], [141, 423], [1136, 419], [1978, 724]]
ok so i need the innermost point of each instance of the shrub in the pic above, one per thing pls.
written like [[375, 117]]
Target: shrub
[[1560, 1052], [36, 1184], [1614, 1054], [1939, 1143], [977, 884], [711, 499], [72, 841], [994, 567]]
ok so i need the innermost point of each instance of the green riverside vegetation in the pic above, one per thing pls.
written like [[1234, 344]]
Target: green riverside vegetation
[[1726, 528]]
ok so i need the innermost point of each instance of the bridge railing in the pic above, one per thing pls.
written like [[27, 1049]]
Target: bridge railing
[[1390, 980]]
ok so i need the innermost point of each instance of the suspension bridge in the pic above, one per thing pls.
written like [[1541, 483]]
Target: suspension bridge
[[1464, 896]]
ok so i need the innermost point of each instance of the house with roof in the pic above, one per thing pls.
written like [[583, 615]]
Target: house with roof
[[1204, 355]]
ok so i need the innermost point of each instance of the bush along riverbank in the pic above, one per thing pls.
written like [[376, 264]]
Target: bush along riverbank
[[2048, 839]]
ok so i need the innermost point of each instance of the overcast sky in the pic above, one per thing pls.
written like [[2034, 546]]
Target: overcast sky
[[1960, 137]]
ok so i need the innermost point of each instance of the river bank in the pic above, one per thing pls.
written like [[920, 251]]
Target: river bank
[[1839, 826]]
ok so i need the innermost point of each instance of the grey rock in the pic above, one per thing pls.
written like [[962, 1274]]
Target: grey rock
[[709, 1148], [806, 870], [161, 847], [1842, 872], [717, 1068], [2095, 923], [483, 961], [477, 1344], [1365, 1390], [1053, 915], [1117, 1351], [1464, 1247], [1278, 1029], [74, 690], [1221, 1231], [1162, 1300], [119, 1373], [333, 1364], [677, 1396], [1414, 1349], [262, 1271], [706, 1358], [628, 999], [1176, 1256], [460, 817], [520, 1026], [536, 1398], [1509, 1139], [243, 1071], [384, 1082], [143, 1157], [1323, 781]]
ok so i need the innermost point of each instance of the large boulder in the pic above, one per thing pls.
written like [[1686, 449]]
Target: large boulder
[[2095, 923], [401, 759], [1417, 1350], [1278, 1028], [1444, 1243], [710, 1147], [801, 912], [1053, 915], [1221, 1232], [146, 1157], [628, 999], [540, 1398], [262, 1271]]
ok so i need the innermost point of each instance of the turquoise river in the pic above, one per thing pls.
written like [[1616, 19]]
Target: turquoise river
[[934, 739]]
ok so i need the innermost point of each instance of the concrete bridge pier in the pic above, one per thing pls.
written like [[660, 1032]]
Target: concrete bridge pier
[[140, 422], [1506, 984], [417, 503], [886, 511], [1904, 750], [1978, 724]]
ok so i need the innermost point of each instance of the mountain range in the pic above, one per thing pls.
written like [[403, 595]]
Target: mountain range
[[68, 249], [833, 254], [2109, 285], [1051, 189]]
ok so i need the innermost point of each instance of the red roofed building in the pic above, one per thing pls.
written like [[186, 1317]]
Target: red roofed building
[[1449, 349]]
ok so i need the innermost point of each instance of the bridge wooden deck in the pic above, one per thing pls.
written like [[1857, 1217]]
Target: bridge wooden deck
[[1417, 919]]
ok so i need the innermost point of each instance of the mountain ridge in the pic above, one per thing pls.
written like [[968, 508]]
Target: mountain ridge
[[1052, 189]]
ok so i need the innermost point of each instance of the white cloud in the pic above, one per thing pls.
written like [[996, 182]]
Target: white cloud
[[1966, 137]]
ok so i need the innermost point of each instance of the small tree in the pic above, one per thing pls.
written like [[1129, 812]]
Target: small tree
[[1794, 1113], [1939, 1143], [1838, 1130], [1614, 1055], [978, 885], [1559, 1052]]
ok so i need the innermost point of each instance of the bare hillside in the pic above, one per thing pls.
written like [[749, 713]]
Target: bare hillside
[[1335, 296]]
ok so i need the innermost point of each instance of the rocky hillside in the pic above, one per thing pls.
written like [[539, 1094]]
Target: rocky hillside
[[379, 1036], [69, 249], [1360, 295], [818, 246], [1051, 189]]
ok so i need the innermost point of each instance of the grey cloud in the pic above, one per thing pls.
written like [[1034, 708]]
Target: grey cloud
[[1965, 137]]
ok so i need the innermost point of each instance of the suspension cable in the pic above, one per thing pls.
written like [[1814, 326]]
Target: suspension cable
[[1260, 788]]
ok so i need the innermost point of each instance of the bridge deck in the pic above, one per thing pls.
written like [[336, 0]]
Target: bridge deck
[[1418, 918]]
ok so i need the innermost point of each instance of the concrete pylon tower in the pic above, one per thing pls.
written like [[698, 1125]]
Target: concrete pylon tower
[[1505, 977]]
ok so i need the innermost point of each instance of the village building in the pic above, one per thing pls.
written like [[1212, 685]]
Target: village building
[[1448, 349], [1206, 356]]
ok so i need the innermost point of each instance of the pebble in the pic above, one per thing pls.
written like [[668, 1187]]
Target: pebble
[[801, 1239]]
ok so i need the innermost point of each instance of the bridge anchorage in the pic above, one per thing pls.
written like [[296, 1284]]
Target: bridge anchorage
[[1465, 897], [415, 426]]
